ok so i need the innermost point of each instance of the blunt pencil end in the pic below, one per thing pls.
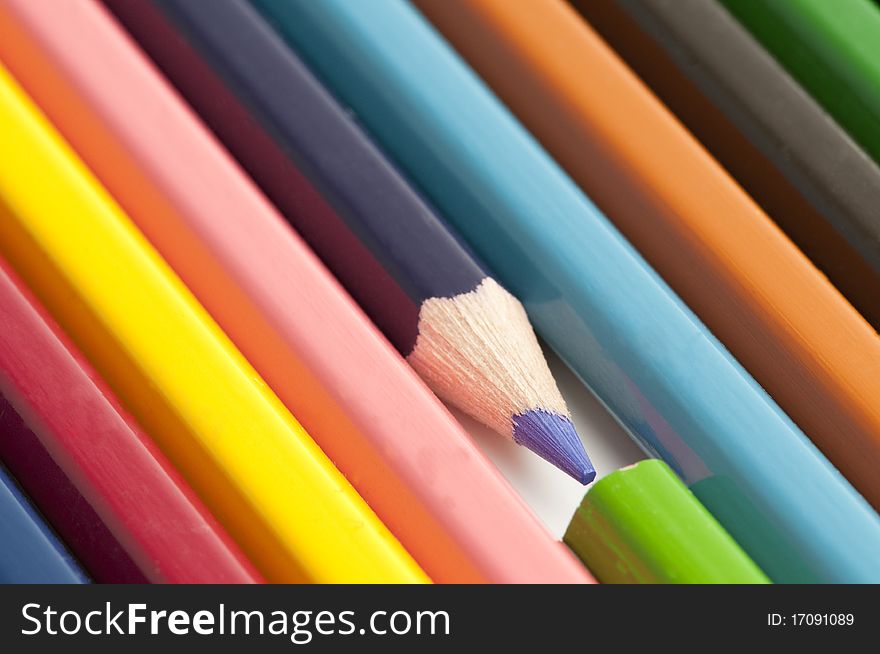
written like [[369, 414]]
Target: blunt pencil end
[[553, 438]]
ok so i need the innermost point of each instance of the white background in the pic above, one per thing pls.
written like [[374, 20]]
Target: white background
[[551, 493]]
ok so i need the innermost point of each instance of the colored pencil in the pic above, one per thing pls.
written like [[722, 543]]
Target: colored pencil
[[466, 336], [815, 182], [587, 290], [366, 408], [642, 525], [267, 482], [777, 314], [30, 553], [111, 495], [832, 49]]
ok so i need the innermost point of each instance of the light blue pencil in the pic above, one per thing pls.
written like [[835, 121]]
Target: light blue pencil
[[587, 291], [30, 552]]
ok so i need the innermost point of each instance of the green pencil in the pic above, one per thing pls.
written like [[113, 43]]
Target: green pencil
[[642, 525], [832, 48]]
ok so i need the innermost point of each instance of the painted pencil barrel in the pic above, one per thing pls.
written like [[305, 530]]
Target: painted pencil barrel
[[773, 310], [260, 473], [354, 394], [642, 525], [832, 49], [785, 150], [466, 336], [111, 495], [30, 552], [588, 292]]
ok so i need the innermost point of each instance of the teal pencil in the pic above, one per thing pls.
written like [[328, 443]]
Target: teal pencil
[[587, 291]]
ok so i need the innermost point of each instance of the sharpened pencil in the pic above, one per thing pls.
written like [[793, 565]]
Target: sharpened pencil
[[359, 400], [776, 313], [587, 290], [832, 48], [467, 337], [258, 471], [804, 170], [107, 490], [30, 552], [641, 525]]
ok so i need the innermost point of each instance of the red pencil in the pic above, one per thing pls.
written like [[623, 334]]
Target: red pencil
[[107, 490], [364, 406]]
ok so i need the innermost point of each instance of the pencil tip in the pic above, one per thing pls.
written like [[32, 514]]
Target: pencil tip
[[553, 438]]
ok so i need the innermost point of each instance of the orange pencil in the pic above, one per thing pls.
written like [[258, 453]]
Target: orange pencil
[[802, 341]]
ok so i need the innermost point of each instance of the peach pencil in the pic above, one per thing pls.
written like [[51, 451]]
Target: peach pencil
[[292, 512], [465, 335], [357, 397]]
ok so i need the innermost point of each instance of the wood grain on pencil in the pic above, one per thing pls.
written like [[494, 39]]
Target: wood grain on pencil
[[467, 337], [269, 484], [784, 321], [362, 403], [107, 489], [667, 379]]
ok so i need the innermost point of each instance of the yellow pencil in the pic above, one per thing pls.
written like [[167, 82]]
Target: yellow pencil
[[260, 473]]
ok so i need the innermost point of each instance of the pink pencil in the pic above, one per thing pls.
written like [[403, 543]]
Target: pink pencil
[[361, 402], [99, 480]]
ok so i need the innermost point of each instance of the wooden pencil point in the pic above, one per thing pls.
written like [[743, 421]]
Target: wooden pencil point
[[485, 338], [579, 278], [468, 337], [365, 407]]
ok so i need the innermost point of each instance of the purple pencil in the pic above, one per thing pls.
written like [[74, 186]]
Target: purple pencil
[[467, 337]]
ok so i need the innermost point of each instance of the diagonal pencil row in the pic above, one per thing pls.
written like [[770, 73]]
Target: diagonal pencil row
[[274, 214], [588, 292], [832, 48], [807, 174], [176, 371], [366, 410], [117, 502], [434, 302]]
